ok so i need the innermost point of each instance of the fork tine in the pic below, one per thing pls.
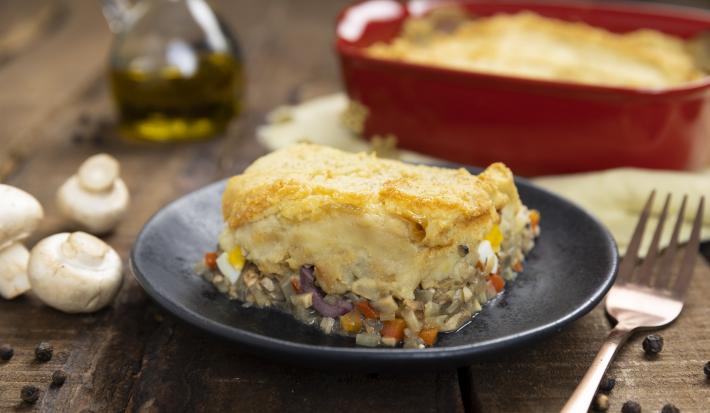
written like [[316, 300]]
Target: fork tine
[[691, 252], [646, 269], [664, 268], [627, 264]]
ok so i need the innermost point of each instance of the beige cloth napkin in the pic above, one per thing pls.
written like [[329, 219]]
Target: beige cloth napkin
[[615, 197]]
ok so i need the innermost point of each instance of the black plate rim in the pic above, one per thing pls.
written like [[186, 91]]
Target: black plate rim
[[355, 355]]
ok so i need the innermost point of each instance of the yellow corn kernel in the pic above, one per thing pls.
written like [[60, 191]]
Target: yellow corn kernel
[[236, 258], [351, 322], [495, 237]]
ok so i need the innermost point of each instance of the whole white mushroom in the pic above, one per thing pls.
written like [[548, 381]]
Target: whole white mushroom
[[96, 197], [20, 215], [13, 271], [75, 272]]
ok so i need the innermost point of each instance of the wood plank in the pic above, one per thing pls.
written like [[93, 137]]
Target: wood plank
[[25, 22], [184, 370], [50, 74], [541, 378], [131, 356]]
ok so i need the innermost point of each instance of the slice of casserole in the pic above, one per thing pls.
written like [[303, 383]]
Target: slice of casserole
[[371, 247]]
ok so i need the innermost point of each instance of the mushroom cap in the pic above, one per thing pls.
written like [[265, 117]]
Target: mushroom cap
[[75, 272], [13, 271], [98, 212], [20, 215]]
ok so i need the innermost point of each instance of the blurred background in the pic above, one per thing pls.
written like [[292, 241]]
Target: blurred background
[[257, 58]]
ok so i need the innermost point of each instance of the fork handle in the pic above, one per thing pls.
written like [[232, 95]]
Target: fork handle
[[587, 388]]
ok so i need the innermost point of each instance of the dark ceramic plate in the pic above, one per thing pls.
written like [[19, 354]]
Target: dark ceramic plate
[[566, 275]]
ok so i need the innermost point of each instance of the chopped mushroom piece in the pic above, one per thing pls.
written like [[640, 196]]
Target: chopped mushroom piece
[[75, 273], [96, 197], [13, 271]]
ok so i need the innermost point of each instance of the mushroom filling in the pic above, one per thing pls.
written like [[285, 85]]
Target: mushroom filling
[[386, 320]]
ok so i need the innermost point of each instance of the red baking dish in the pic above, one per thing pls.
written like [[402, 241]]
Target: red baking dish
[[535, 126]]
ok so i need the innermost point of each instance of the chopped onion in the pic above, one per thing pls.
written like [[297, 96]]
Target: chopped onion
[[304, 300], [453, 307], [387, 316], [466, 293], [413, 342], [411, 319], [389, 341], [367, 339], [327, 324], [287, 288], [231, 273], [455, 321], [437, 321], [424, 295], [307, 279], [432, 309], [487, 256], [386, 305], [267, 284]]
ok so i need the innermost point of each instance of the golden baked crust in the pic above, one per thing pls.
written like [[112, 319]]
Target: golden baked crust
[[532, 46], [304, 181]]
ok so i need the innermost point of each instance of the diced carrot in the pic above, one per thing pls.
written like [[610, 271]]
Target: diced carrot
[[366, 309], [211, 260], [351, 322], [518, 266], [429, 335], [295, 284], [394, 328], [497, 281], [534, 218]]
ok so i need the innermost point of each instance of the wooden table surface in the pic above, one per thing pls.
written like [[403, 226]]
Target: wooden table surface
[[55, 111]]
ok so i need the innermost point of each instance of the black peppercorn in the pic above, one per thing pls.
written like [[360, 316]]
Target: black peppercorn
[[706, 369], [6, 352], [607, 385], [58, 378], [29, 394], [631, 407], [600, 403], [463, 250], [652, 344], [669, 408], [43, 351]]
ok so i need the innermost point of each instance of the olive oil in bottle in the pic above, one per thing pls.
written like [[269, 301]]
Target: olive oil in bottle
[[172, 105]]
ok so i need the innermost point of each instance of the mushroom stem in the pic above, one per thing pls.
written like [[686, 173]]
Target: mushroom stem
[[98, 173], [84, 248]]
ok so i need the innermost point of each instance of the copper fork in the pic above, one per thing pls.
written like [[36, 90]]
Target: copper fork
[[645, 296]]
